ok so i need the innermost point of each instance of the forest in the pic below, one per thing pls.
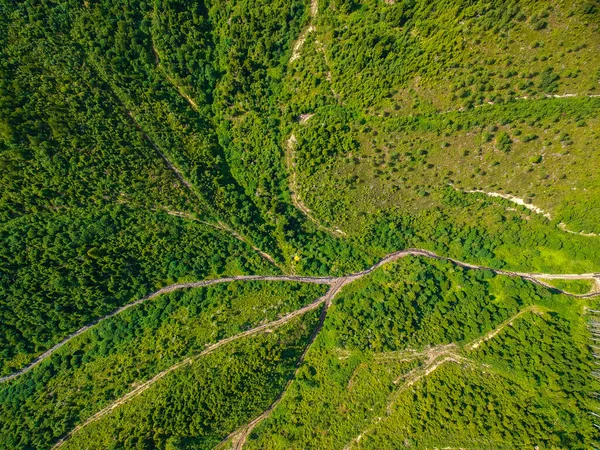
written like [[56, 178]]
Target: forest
[[146, 145], [99, 366], [507, 358]]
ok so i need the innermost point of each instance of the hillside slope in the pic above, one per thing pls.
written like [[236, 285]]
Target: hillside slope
[[372, 187]]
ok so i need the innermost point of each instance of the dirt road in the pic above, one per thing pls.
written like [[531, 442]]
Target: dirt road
[[533, 277], [238, 437], [434, 358], [209, 349]]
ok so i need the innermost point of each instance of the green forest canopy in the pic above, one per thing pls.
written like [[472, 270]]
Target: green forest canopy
[[144, 144]]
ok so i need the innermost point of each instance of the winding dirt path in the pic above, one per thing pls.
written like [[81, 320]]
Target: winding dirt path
[[164, 290], [176, 171], [239, 237], [512, 198], [538, 98], [519, 201], [436, 356], [209, 349], [171, 80], [238, 438], [292, 141], [119, 98], [430, 366], [314, 9], [157, 60], [477, 342], [533, 277], [167, 161], [224, 227], [431, 355], [300, 43], [293, 187]]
